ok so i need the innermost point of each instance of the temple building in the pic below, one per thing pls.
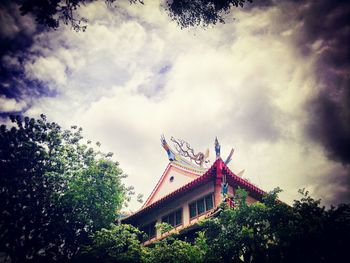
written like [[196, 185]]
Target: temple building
[[188, 191]]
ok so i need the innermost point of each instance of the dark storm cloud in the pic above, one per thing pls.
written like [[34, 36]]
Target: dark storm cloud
[[328, 23], [335, 188], [16, 37], [330, 124], [325, 29]]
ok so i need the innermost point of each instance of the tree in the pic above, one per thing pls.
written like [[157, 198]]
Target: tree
[[51, 13], [267, 231], [186, 13], [54, 190], [114, 244], [173, 250], [272, 231], [189, 13]]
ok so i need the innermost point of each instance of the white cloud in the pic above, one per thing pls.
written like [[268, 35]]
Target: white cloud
[[8, 104], [47, 69]]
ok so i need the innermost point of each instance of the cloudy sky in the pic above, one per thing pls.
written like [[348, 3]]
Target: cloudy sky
[[272, 82]]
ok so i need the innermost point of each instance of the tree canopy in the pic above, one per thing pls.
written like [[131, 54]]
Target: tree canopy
[[272, 231], [117, 243], [189, 13], [54, 190], [186, 13], [267, 231]]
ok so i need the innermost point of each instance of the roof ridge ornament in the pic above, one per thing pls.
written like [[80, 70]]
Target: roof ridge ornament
[[218, 150], [229, 157], [169, 151], [184, 150]]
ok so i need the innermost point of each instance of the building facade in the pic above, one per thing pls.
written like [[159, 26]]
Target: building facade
[[187, 192]]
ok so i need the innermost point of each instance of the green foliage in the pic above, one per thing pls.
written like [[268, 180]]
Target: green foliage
[[173, 250], [116, 244], [94, 194], [163, 227], [54, 190], [267, 231], [186, 13], [139, 198], [272, 231]]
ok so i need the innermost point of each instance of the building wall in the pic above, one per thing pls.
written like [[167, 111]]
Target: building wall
[[181, 202], [179, 178], [250, 200], [230, 191]]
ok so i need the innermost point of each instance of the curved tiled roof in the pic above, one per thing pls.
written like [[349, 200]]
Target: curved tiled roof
[[253, 190]]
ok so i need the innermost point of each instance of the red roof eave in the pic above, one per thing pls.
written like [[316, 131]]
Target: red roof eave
[[254, 190]]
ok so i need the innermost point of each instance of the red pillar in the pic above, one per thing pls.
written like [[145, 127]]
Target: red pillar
[[217, 183]]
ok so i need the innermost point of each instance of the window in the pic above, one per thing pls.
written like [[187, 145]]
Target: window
[[193, 210], [150, 230], [178, 217], [171, 220], [201, 205], [174, 218], [209, 202]]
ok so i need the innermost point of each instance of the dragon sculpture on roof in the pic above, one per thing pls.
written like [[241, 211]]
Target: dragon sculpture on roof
[[183, 152], [184, 149]]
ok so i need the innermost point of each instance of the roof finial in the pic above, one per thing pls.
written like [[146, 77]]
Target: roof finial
[[166, 147], [217, 148], [229, 157]]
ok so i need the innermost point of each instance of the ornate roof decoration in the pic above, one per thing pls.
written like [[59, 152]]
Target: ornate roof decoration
[[218, 149], [229, 157], [184, 153], [184, 149]]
